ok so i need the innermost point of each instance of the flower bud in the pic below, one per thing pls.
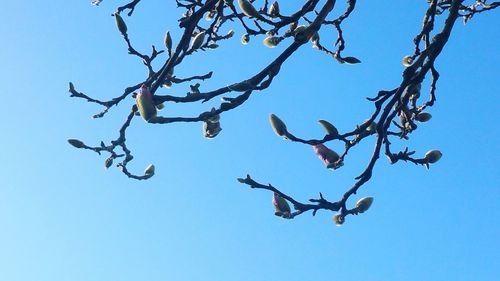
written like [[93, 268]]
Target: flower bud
[[211, 130], [299, 29], [407, 61], [168, 41], [160, 106], [274, 9], [272, 41], [150, 170], [278, 126], [338, 219], [329, 128], [351, 60], [281, 206], [423, 117], [145, 104], [213, 46], [247, 8], [108, 162], [245, 39], [432, 156], [76, 143], [230, 33], [372, 127], [364, 204], [120, 23], [328, 156], [198, 40]]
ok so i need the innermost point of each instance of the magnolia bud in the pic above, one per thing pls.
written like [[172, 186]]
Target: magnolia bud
[[364, 204], [338, 219], [423, 117], [313, 37], [213, 46], [198, 40], [145, 104], [299, 29], [274, 9], [372, 127], [278, 126], [108, 162], [433, 156], [328, 156], [247, 8], [76, 143], [150, 170], [351, 60], [120, 23], [329, 128], [230, 33], [160, 106], [281, 206], [211, 130], [272, 41], [168, 41], [245, 39], [407, 61]]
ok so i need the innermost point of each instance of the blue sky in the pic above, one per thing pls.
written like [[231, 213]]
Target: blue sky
[[64, 217]]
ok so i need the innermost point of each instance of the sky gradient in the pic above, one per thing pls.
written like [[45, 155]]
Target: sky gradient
[[64, 217]]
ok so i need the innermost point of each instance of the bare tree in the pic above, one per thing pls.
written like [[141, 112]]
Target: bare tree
[[396, 111]]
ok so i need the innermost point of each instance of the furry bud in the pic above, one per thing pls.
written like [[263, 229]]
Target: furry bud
[[245, 39], [278, 126], [351, 60], [423, 117], [247, 8], [150, 170], [329, 128], [328, 156], [432, 156], [407, 61], [108, 162], [145, 104], [372, 127], [120, 23], [168, 41], [338, 219], [211, 130], [272, 41], [274, 9], [364, 204], [281, 206], [198, 40], [160, 106], [76, 143]]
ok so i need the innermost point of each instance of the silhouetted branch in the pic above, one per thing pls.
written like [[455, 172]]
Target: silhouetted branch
[[396, 112]]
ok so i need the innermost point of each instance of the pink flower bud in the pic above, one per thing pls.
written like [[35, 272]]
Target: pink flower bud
[[328, 156], [281, 206]]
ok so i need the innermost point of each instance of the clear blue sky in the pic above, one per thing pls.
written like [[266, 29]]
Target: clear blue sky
[[64, 217]]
